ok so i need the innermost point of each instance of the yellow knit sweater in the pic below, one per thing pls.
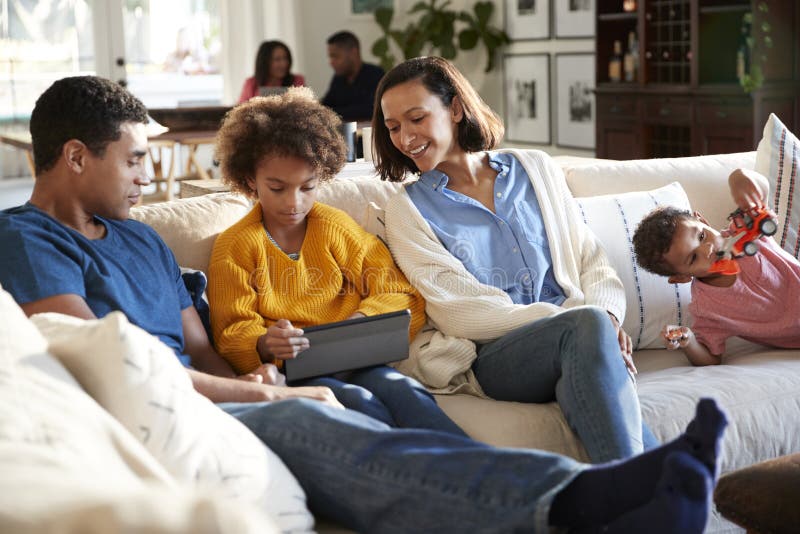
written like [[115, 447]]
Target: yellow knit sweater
[[342, 269]]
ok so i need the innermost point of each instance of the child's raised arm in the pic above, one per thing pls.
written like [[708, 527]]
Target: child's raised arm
[[749, 188]]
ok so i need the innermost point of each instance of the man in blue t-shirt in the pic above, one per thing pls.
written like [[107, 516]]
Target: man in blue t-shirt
[[351, 93], [71, 249]]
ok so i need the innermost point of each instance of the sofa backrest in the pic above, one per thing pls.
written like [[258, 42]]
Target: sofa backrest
[[190, 226], [704, 178]]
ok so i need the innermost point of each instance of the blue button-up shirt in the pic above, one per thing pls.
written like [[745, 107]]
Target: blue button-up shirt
[[507, 249]]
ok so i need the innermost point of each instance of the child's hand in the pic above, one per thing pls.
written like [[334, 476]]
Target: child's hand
[[265, 373], [282, 341], [676, 336], [748, 188]]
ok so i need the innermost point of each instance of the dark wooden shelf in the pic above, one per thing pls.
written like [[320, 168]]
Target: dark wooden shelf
[[710, 10], [692, 103], [617, 16]]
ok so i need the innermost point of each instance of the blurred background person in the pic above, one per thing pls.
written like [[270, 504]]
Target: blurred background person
[[190, 55], [273, 69], [352, 90]]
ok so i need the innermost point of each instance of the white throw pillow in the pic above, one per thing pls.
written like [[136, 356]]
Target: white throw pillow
[[778, 158], [68, 466], [651, 301], [139, 381]]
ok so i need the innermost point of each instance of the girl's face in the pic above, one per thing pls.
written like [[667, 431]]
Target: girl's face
[[286, 189], [278, 63], [420, 126]]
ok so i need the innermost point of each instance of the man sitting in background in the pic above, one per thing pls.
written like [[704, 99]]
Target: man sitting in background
[[352, 90]]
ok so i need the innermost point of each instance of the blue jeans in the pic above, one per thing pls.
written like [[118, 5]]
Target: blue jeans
[[574, 358], [388, 396], [370, 477]]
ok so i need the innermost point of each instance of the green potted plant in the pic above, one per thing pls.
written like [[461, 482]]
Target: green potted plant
[[756, 30], [434, 32]]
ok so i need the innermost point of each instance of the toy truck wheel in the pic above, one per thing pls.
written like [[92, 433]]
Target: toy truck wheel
[[768, 227], [750, 248]]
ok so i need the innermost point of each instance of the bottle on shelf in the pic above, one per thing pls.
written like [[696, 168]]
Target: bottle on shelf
[[630, 63], [615, 63], [743, 54]]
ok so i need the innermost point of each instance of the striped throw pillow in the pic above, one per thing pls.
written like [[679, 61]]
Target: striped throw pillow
[[778, 158], [651, 301]]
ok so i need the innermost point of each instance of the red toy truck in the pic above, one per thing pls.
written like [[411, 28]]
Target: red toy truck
[[745, 227]]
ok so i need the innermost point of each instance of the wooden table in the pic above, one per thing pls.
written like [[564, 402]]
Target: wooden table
[[21, 141], [196, 188], [161, 147]]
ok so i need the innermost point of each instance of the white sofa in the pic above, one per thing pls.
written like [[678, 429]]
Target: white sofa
[[758, 387]]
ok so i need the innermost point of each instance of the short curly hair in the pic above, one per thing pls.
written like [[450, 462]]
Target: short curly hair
[[87, 108], [653, 238], [293, 124]]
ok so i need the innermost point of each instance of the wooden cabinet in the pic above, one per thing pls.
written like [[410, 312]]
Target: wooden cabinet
[[686, 98]]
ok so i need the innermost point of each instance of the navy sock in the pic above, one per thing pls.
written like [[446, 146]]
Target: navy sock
[[600, 494], [681, 502]]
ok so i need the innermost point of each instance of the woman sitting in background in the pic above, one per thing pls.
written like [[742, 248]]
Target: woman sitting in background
[[273, 69]]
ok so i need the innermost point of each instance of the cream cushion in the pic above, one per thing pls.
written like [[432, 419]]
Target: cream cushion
[[69, 467], [190, 226], [778, 158], [651, 301], [138, 380], [354, 195], [703, 178]]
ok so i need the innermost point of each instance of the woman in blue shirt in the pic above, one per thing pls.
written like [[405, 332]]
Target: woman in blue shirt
[[493, 241]]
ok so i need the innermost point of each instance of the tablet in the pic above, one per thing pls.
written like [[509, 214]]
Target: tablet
[[351, 344]]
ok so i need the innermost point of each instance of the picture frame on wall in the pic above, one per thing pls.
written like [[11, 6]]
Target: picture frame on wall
[[574, 18], [367, 8], [527, 19], [526, 87], [575, 107]]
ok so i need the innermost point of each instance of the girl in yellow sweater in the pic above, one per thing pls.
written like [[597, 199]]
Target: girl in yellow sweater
[[293, 262]]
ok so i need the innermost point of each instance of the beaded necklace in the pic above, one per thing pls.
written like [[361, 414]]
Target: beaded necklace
[[292, 256]]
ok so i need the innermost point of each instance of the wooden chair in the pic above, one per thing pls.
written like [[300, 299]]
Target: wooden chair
[[162, 155]]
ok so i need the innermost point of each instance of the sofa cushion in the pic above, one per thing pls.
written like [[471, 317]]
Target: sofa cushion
[[139, 381], [190, 226], [778, 158], [651, 301], [67, 466], [354, 195], [702, 177]]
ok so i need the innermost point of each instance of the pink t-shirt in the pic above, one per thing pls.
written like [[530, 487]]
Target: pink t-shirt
[[762, 305]]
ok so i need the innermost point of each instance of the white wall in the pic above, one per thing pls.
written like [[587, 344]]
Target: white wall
[[316, 20]]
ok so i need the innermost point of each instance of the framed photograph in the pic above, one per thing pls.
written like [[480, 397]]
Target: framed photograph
[[575, 106], [368, 7], [526, 86], [528, 19], [574, 18]]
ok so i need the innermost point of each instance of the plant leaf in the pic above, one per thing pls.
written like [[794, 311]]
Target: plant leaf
[[381, 47], [383, 16], [483, 11], [467, 39]]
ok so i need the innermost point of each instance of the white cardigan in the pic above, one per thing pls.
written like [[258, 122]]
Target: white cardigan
[[461, 308]]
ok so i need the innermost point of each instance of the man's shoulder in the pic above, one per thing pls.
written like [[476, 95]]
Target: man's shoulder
[[26, 219], [372, 70]]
